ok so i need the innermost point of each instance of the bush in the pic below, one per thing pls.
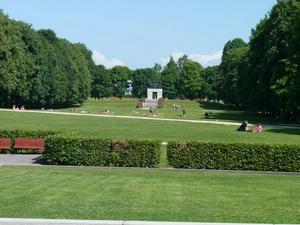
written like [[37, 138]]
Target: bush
[[77, 151], [135, 153], [101, 152], [140, 103], [161, 102], [237, 156], [12, 134]]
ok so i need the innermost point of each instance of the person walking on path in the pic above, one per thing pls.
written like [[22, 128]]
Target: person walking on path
[[183, 112]]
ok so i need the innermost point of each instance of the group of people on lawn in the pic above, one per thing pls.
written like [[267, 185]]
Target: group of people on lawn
[[244, 128]]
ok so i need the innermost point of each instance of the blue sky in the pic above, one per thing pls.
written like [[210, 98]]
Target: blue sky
[[139, 33]]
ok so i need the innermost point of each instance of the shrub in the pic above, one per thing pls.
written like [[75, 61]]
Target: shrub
[[12, 134], [237, 156], [134, 153], [82, 151], [161, 102], [77, 151], [140, 103]]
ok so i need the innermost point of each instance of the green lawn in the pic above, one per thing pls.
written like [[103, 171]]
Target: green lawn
[[142, 129], [194, 110], [38, 192]]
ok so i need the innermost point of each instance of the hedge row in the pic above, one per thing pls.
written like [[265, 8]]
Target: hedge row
[[82, 151], [12, 134], [238, 156]]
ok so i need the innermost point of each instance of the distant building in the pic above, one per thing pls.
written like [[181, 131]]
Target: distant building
[[154, 91], [129, 88]]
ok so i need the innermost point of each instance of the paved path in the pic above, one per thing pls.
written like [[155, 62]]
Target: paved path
[[22, 159], [148, 118], [36, 160], [13, 221]]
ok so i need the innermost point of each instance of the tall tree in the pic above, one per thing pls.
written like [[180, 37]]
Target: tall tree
[[120, 75], [232, 54], [212, 82], [102, 85], [169, 78], [142, 78], [190, 78]]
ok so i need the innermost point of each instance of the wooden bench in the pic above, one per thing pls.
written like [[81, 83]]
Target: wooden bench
[[30, 143], [4, 144]]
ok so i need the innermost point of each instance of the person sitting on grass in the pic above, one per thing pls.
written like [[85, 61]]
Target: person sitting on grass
[[258, 128], [206, 115], [151, 110], [243, 127]]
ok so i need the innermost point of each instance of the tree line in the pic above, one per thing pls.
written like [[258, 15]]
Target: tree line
[[264, 74], [39, 69], [182, 79]]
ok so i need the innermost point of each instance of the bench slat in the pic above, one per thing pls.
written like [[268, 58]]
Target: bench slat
[[30, 143], [4, 143]]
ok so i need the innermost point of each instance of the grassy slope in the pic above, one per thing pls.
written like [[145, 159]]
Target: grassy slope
[[194, 110], [151, 195], [129, 128]]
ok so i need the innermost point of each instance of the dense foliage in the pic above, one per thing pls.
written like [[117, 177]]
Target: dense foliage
[[101, 152], [264, 75], [37, 69], [238, 156], [77, 151], [12, 134], [182, 79], [133, 153]]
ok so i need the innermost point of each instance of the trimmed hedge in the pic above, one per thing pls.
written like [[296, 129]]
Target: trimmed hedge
[[12, 134], [134, 153], [236, 156], [77, 151], [82, 151]]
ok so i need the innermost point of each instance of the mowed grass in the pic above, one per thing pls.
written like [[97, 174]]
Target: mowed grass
[[86, 193], [194, 110], [142, 129]]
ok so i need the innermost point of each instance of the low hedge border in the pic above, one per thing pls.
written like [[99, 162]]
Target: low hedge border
[[234, 156], [12, 134], [81, 151], [134, 153]]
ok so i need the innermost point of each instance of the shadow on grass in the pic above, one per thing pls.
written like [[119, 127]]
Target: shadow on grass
[[237, 116], [229, 113], [284, 131], [213, 106]]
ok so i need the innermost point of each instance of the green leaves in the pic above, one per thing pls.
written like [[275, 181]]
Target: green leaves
[[81, 151], [236, 156], [37, 69]]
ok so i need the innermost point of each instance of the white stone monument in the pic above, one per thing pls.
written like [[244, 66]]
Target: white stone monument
[[154, 93]]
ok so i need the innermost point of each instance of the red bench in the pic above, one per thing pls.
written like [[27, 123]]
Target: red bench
[[30, 143], [4, 144]]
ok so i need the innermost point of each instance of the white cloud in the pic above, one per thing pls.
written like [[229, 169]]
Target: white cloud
[[100, 59], [204, 60]]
